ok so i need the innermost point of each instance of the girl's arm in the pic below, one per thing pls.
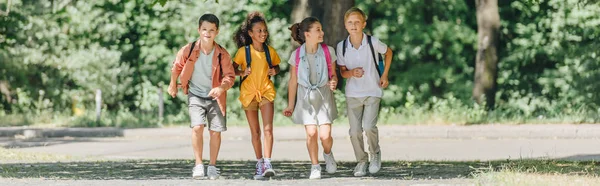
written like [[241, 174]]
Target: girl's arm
[[345, 72], [292, 88]]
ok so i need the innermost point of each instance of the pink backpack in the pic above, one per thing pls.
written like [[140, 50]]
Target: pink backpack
[[327, 58]]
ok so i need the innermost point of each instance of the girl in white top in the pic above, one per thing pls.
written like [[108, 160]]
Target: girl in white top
[[310, 96]]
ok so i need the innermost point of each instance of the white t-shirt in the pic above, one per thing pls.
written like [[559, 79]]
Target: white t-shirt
[[368, 85]]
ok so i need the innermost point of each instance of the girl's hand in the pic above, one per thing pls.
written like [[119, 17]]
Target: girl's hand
[[332, 84], [272, 72], [288, 111], [247, 71]]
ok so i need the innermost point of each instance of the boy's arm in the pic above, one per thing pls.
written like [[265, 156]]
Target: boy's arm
[[176, 71], [178, 65], [388, 62], [384, 81], [228, 72]]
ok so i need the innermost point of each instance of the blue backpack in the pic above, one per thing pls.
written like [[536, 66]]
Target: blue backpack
[[249, 60]]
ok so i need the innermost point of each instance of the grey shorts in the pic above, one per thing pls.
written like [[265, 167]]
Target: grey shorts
[[205, 111]]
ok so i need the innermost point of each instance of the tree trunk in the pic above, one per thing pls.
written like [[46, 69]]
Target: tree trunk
[[330, 13], [333, 21], [486, 62]]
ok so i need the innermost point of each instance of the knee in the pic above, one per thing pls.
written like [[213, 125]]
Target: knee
[[311, 134], [268, 131], [255, 134], [325, 137], [215, 134], [198, 130], [370, 129], [356, 132]]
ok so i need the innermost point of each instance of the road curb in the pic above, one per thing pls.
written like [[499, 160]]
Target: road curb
[[27, 132]]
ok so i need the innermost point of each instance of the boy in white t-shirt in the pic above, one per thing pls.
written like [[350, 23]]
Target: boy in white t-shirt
[[358, 58]]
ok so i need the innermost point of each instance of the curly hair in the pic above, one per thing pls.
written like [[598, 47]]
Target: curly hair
[[241, 36]]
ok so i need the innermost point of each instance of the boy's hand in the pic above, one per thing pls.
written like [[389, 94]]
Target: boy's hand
[[383, 82], [288, 111], [358, 72], [272, 72], [216, 92], [173, 89], [247, 71], [332, 84]]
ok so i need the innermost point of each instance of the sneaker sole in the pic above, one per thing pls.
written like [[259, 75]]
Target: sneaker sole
[[359, 175], [269, 173], [374, 172]]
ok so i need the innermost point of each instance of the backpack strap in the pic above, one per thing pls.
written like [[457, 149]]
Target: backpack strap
[[344, 45], [297, 58], [373, 54], [219, 60], [248, 57], [248, 63], [268, 54], [191, 49], [327, 59]]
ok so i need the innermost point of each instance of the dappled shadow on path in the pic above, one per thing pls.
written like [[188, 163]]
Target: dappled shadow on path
[[286, 170]]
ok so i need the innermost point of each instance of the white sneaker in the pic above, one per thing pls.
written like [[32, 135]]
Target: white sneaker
[[360, 169], [315, 172], [269, 172], [198, 172], [212, 172], [330, 164], [259, 170], [375, 163]]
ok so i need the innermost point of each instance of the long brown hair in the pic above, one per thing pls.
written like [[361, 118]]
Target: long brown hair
[[298, 29]]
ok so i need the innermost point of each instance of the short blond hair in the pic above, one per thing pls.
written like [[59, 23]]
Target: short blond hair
[[357, 11]]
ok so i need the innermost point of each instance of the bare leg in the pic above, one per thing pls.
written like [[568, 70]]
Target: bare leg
[[312, 143], [197, 142], [266, 112]]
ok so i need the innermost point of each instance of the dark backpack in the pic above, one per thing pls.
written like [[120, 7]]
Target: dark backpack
[[219, 56], [249, 60]]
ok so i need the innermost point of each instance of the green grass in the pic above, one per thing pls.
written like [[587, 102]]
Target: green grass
[[521, 178], [448, 112]]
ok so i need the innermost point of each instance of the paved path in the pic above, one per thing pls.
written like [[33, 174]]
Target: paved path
[[397, 142], [438, 143]]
